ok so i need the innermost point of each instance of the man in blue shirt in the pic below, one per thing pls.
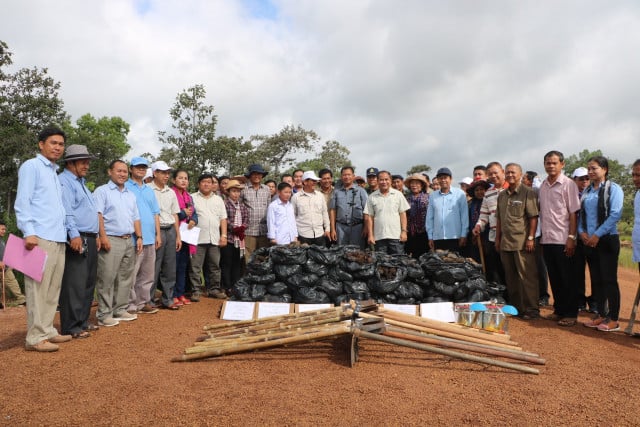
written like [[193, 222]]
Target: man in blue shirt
[[41, 218], [346, 211], [144, 271], [119, 222], [81, 260], [447, 215]]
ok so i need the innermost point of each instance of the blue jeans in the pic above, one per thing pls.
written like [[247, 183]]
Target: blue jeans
[[390, 246]]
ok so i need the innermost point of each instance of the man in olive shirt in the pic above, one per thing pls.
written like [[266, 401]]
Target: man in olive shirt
[[516, 222]]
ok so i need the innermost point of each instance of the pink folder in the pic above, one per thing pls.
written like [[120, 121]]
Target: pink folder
[[19, 258]]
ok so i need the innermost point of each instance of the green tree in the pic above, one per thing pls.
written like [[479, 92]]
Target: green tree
[[278, 151], [29, 100], [105, 138], [418, 169], [332, 156], [191, 144]]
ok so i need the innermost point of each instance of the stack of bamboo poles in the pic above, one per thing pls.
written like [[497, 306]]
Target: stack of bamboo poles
[[392, 327]]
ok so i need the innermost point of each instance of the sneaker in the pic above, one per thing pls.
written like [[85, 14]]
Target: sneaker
[[126, 317], [147, 309], [60, 338], [610, 326], [595, 322], [217, 294], [195, 297], [184, 300], [177, 302], [43, 346], [108, 321]]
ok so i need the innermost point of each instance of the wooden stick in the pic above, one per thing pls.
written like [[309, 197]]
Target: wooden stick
[[440, 332], [444, 352], [462, 346], [283, 317], [342, 330], [447, 327]]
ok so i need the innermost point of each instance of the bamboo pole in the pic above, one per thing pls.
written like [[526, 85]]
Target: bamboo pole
[[444, 352], [242, 323], [447, 327], [342, 330], [462, 346], [440, 332]]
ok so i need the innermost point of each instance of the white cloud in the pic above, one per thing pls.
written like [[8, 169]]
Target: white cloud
[[442, 83]]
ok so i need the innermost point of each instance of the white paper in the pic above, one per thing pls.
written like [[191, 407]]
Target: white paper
[[189, 236], [238, 310], [402, 308], [310, 307], [442, 311], [268, 309]]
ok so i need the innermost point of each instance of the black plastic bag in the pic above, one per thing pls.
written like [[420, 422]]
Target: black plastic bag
[[241, 291], [382, 287], [325, 256], [356, 288], [451, 275], [444, 289], [436, 299], [255, 279], [283, 271], [277, 298], [260, 262], [408, 290], [461, 292], [365, 273], [302, 280], [477, 295], [330, 287], [335, 273], [277, 288], [312, 266], [289, 255], [257, 292], [306, 295]]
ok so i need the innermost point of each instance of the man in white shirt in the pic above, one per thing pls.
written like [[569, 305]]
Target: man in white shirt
[[310, 209]]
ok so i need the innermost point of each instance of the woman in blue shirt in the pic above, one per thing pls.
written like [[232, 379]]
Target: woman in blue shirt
[[597, 228]]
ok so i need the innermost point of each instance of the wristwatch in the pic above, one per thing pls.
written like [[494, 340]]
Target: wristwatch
[[572, 237], [530, 238]]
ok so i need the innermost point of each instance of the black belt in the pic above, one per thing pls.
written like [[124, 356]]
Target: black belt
[[124, 236], [350, 223], [85, 234], [166, 227]]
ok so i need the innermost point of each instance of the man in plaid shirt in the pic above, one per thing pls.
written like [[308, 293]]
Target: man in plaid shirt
[[256, 197]]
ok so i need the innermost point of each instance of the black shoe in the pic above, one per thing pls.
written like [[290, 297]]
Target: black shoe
[[195, 297], [543, 302]]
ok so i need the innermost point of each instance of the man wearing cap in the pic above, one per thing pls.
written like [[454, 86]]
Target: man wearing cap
[[346, 211], [40, 216], [372, 180], [559, 205], [256, 196], [144, 271], [447, 215], [119, 222], [212, 220], [397, 182], [464, 185], [165, 268], [310, 210], [581, 178], [385, 216], [81, 258], [495, 174]]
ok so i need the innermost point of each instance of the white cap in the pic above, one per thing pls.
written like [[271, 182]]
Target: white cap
[[160, 166], [148, 174], [580, 172], [466, 180], [310, 175]]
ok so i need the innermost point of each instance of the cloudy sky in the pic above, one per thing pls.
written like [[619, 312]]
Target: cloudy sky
[[399, 83]]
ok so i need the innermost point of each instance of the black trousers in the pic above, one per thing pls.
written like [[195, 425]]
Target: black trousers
[[560, 268], [318, 241], [603, 266], [230, 265], [78, 285]]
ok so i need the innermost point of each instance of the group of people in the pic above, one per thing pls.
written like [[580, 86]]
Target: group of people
[[123, 241]]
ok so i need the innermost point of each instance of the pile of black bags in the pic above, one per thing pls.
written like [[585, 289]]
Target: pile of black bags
[[312, 274]]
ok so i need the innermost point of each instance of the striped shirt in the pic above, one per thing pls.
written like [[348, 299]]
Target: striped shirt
[[488, 212]]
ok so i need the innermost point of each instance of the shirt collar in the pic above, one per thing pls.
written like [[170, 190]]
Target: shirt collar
[[47, 162]]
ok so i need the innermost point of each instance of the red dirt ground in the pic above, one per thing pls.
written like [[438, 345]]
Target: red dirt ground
[[123, 376]]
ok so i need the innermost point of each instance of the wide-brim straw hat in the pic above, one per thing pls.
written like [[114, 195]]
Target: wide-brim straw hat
[[234, 183], [77, 152], [415, 177], [475, 184]]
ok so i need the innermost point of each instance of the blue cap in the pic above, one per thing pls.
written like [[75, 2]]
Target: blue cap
[[444, 171], [372, 172], [137, 161]]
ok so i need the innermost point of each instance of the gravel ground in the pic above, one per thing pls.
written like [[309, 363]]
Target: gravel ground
[[123, 375]]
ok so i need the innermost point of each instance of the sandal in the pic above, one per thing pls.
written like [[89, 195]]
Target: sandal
[[567, 321], [81, 334]]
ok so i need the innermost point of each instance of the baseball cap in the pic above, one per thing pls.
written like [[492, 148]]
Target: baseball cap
[[466, 180], [444, 171], [137, 161], [310, 175], [160, 166], [580, 172], [372, 171]]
